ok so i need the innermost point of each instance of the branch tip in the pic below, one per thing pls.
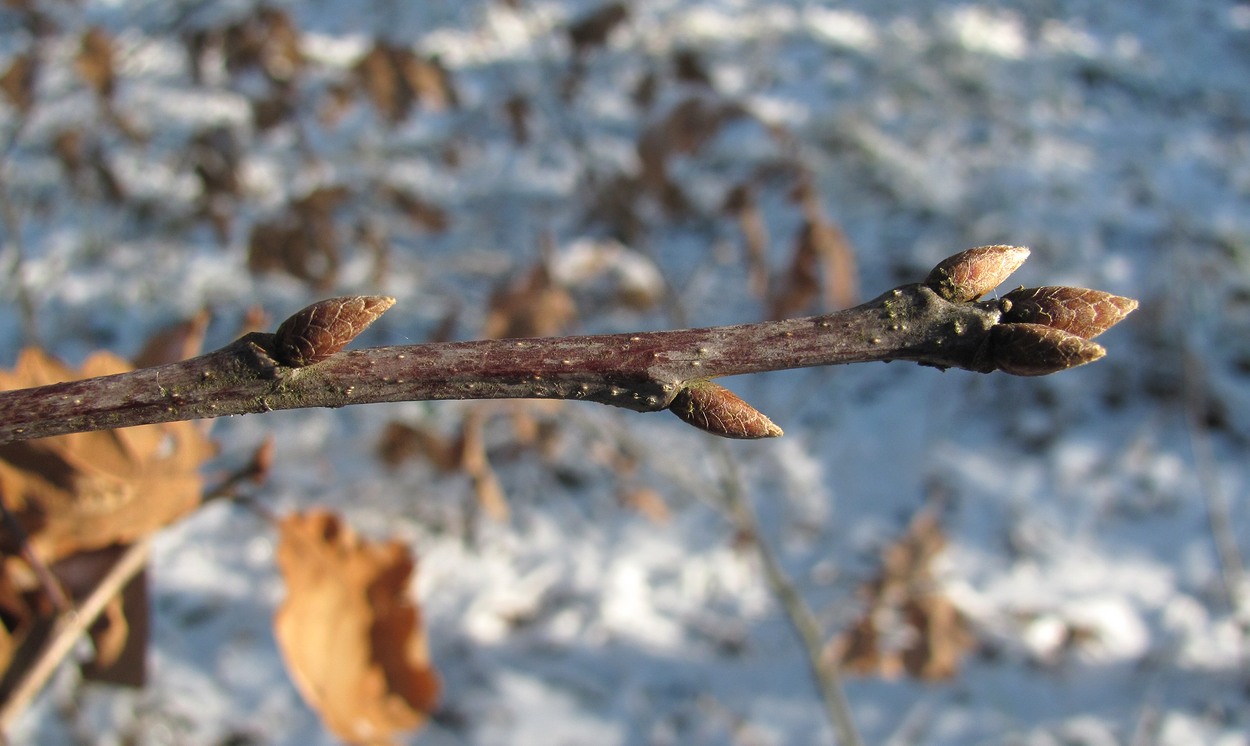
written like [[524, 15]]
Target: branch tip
[[1080, 311]]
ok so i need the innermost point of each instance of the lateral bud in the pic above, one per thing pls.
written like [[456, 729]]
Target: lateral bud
[[1080, 311], [322, 329], [970, 274], [1037, 350], [717, 410]]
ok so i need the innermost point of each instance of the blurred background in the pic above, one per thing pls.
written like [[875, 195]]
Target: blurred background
[[992, 559]]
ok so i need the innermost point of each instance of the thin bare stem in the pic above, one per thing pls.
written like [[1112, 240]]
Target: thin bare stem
[[643, 372], [824, 670]]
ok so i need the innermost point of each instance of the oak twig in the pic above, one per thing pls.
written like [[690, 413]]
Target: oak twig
[[937, 323]]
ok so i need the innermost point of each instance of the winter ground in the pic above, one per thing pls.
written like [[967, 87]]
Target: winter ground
[[1111, 138]]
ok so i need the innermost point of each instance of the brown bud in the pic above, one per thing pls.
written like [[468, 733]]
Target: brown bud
[[1085, 313], [970, 274], [325, 327], [717, 410], [1036, 350]]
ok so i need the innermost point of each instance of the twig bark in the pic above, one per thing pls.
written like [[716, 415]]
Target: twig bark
[[935, 323]]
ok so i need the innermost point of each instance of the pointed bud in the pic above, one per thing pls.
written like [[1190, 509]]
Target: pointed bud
[[970, 274], [1085, 313], [322, 329], [717, 410], [1036, 350]]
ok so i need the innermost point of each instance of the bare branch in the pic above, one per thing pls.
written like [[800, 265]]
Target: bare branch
[[642, 372]]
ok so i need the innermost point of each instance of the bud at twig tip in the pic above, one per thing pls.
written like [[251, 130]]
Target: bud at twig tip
[[1037, 350], [1080, 311], [970, 274]]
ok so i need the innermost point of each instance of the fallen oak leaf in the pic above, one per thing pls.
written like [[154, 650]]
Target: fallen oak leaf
[[908, 625], [352, 640], [91, 490]]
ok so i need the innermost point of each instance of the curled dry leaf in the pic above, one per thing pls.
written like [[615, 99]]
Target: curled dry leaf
[[95, 63], [537, 306], [592, 30], [1080, 311], [322, 329], [268, 40], [303, 241], [423, 213], [179, 341], [351, 638], [823, 265], [395, 79], [17, 83], [970, 274], [741, 203], [120, 635], [1036, 350], [907, 626], [717, 410], [90, 490]]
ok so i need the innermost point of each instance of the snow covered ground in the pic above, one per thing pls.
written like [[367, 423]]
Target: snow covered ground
[[1111, 138]]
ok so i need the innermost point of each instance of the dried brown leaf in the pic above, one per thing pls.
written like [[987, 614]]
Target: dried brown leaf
[[383, 84], [908, 626], [401, 442], [120, 635], [943, 638], [648, 502], [89, 490], [423, 213], [70, 150], [215, 155], [395, 79], [18, 82], [536, 307], [275, 108], [336, 103], [683, 130], [352, 639], [268, 40], [592, 30], [110, 186], [179, 341], [823, 266], [475, 463], [303, 241], [427, 78], [94, 63], [741, 203], [1080, 311], [688, 67], [16, 617]]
